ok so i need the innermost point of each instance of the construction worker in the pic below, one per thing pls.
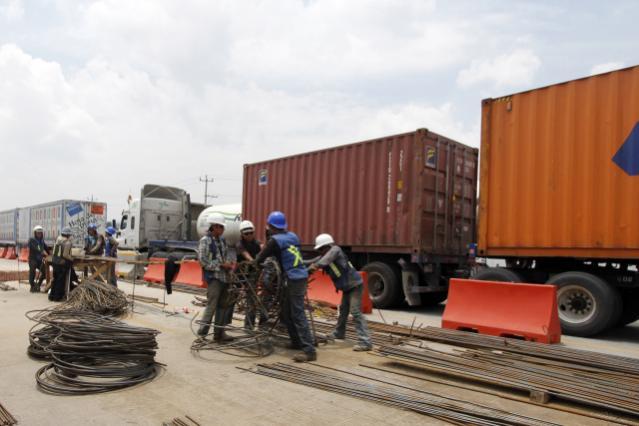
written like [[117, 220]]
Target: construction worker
[[38, 251], [93, 242], [62, 263], [111, 250], [247, 249], [346, 279], [216, 264], [285, 246]]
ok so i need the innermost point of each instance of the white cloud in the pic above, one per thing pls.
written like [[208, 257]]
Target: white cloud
[[605, 67], [508, 70], [12, 10]]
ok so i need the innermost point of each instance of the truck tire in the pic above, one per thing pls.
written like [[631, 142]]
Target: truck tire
[[587, 304], [498, 274], [630, 309], [383, 284]]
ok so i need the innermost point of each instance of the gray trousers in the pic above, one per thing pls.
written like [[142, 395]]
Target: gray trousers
[[215, 300], [352, 303]]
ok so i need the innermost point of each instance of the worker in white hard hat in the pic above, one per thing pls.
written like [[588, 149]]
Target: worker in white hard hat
[[247, 250], [38, 251], [216, 264], [62, 263], [346, 279]]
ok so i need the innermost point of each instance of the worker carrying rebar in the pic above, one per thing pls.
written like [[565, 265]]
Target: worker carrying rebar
[[62, 261], [216, 265], [346, 279], [284, 245], [111, 250], [38, 252], [247, 250], [93, 242]]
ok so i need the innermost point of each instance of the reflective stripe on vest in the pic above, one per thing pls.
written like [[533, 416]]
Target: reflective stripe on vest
[[292, 263]]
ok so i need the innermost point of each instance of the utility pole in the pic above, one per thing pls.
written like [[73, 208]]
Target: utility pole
[[206, 181]]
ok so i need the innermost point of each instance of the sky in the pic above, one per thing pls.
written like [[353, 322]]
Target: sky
[[98, 98]]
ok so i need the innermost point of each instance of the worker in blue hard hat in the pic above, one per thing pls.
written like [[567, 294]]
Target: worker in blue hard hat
[[346, 279], [93, 242], [284, 245], [62, 263], [111, 250], [38, 251]]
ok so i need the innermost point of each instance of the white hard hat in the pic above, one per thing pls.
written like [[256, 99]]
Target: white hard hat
[[38, 228], [246, 225], [216, 219], [323, 240]]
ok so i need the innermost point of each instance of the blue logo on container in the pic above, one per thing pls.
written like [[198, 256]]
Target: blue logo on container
[[628, 155], [73, 209]]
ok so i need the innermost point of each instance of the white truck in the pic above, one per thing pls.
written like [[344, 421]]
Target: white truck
[[16, 225], [164, 220]]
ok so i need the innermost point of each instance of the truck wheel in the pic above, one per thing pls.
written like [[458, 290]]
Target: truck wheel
[[434, 299], [383, 284], [630, 310], [498, 274], [587, 304]]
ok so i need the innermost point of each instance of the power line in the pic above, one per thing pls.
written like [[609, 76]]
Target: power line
[[206, 181]]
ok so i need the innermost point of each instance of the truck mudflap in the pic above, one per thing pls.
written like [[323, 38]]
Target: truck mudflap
[[410, 285]]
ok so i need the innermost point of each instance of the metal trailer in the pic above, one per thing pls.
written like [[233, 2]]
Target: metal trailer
[[402, 206]]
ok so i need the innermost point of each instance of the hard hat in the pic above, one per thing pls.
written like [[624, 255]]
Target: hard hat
[[66, 231], [323, 240], [92, 226], [277, 220], [110, 230], [246, 225], [38, 228], [216, 219]]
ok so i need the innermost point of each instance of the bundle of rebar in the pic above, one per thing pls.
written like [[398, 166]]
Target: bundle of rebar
[[98, 297], [384, 392], [6, 419], [92, 353], [178, 421], [377, 338], [594, 386]]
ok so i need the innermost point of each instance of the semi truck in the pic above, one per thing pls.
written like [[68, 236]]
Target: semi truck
[[559, 195], [16, 225], [401, 206], [163, 219]]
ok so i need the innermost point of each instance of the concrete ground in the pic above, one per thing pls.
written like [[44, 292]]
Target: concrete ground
[[210, 389]]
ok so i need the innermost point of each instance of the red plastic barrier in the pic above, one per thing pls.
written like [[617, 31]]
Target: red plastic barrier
[[190, 273], [24, 254], [525, 311], [11, 253], [155, 271], [322, 289], [3, 252]]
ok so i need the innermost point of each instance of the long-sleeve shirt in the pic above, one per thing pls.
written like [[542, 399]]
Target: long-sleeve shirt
[[270, 249], [94, 245], [111, 248], [212, 261], [62, 249], [37, 249]]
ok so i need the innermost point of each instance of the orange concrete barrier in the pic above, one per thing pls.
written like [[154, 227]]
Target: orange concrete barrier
[[524, 311], [322, 289], [155, 271], [24, 254], [190, 273], [3, 252], [11, 253]]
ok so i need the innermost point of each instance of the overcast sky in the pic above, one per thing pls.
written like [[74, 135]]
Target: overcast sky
[[99, 97]]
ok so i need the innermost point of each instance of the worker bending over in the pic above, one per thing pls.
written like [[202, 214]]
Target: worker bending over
[[285, 247], [247, 250], [216, 265], [111, 250], [38, 251], [93, 242], [345, 277], [62, 264]]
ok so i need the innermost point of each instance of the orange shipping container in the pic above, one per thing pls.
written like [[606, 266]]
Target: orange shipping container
[[560, 170]]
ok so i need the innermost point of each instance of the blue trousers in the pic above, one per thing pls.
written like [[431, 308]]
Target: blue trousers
[[293, 315]]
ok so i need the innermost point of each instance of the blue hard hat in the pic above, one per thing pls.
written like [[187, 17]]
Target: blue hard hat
[[92, 226], [277, 220], [110, 230]]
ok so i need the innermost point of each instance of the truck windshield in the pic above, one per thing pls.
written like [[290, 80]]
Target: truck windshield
[[124, 220]]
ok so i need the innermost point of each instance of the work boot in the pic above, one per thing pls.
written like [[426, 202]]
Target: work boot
[[305, 357], [294, 346], [362, 348], [334, 336], [223, 337]]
